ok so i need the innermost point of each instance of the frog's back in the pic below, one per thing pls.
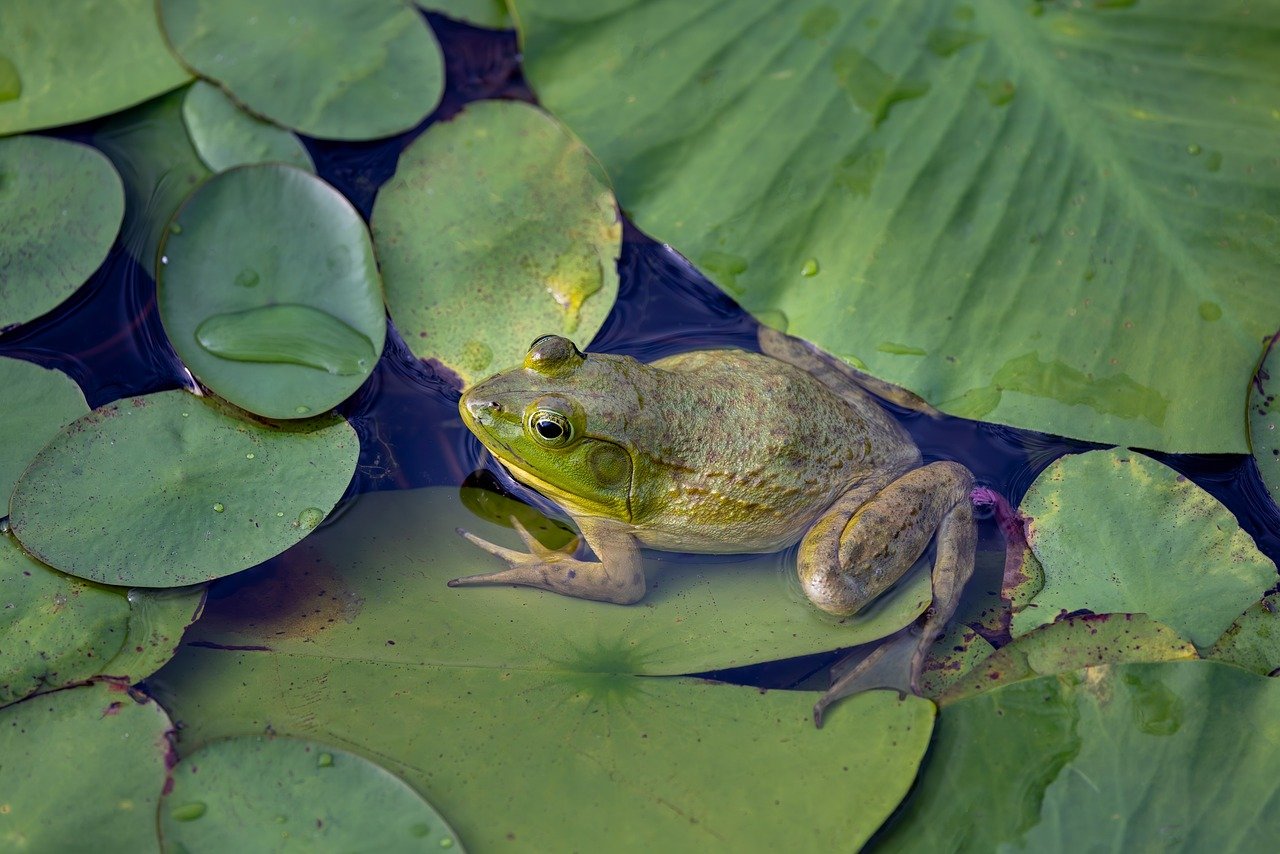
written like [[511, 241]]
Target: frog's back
[[746, 451]]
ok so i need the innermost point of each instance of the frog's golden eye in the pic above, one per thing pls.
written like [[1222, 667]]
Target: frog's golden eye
[[550, 428]]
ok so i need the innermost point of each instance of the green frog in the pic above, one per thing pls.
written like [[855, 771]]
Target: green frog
[[728, 451]]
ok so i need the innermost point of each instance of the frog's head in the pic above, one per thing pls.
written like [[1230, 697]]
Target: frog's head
[[557, 422]]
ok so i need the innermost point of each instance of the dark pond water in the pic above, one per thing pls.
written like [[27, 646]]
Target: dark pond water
[[109, 339]]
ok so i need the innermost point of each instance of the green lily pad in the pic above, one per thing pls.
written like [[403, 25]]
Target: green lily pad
[[335, 69], [83, 770], [1253, 641], [614, 756], [952, 658], [68, 65], [169, 490], [269, 291], [150, 148], [57, 630], [483, 13], [1117, 532], [1070, 644], [1115, 758], [259, 793], [38, 403], [425, 678], [1264, 415], [478, 261], [862, 171], [225, 135], [61, 205]]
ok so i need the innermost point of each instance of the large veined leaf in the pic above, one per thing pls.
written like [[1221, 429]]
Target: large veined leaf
[[70, 62], [1178, 756], [61, 205], [337, 69], [356, 640], [1027, 212], [254, 793], [168, 490], [1118, 532], [83, 770], [480, 259]]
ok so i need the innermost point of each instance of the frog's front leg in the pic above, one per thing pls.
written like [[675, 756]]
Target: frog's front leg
[[846, 561], [618, 576]]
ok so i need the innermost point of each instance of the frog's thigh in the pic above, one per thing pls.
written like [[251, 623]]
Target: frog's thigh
[[843, 567]]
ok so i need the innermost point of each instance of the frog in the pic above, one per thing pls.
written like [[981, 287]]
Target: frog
[[728, 451]]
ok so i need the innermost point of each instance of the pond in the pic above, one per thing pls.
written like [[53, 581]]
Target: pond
[[252, 253]]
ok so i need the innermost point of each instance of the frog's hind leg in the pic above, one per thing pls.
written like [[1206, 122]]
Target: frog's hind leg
[[845, 565]]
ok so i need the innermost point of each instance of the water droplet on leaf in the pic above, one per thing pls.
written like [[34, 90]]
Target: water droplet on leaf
[[310, 517], [247, 278], [810, 268], [324, 760], [189, 811], [218, 507]]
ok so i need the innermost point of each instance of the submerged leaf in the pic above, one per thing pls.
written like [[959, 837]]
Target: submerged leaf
[[1253, 641], [289, 334]]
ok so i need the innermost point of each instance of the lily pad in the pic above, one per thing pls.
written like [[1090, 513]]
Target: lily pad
[[57, 630], [1115, 758], [1264, 415], [269, 291], [61, 205], [1253, 641], [335, 69], [614, 756], [862, 171], [1070, 644], [225, 135], [1117, 532], [482, 13], [258, 793], [38, 402], [478, 261], [62, 66], [83, 769], [150, 148], [425, 678], [168, 490]]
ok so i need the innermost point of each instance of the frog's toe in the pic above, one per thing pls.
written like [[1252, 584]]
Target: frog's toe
[[511, 556], [536, 548]]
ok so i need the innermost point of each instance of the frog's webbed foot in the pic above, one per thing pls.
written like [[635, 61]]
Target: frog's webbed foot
[[890, 665], [557, 570]]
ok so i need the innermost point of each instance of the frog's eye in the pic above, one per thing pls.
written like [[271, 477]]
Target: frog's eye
[[550, 428]]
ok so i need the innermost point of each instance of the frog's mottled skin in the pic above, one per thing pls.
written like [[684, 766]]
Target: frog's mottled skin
[[724, 451]]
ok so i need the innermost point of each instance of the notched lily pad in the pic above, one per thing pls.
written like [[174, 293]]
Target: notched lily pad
[[225, 135], [258, 793], [83, 767], [1253, 641], [335, 69], [1069, 644], [1117, 532], [269, 291], [169, 490], [61, 205], [57, 630], [60, 65], [478, 261], [38, 402]]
